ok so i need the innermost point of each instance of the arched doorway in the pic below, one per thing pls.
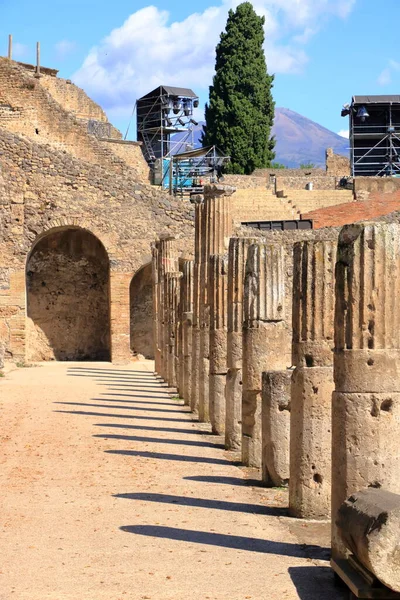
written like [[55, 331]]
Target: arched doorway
[[141, 312], [68, 305]]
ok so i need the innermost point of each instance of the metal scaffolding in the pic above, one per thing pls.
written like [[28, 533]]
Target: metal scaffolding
[[160, 115], [374, 132], [188, 172]]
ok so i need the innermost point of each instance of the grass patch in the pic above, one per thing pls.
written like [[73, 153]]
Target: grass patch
[[23, 365], [2, 374]]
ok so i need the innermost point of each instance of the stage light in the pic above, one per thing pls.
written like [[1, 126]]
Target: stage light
[[181, 122], [168, 122], [187, 107], [177, 106], [362, 113], [195, 103], [194, 122]]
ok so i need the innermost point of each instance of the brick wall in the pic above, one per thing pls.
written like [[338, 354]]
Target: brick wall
[[43, 189]]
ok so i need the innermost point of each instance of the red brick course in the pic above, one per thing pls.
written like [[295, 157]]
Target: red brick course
[[377, 205]]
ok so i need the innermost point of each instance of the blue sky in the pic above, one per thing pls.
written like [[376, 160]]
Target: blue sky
[[321, 51]]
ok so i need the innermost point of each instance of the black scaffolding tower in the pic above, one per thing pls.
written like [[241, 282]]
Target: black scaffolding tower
[[162, 113], [374, 132]]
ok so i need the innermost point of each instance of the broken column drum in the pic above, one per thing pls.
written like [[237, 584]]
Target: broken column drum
[[218, 275], [238, 247], [266, 337], [216, 230], [312, 380], [369, 523], [366, 400]]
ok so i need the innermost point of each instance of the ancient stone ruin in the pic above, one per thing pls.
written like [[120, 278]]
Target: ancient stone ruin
[[285, 342], [294, 341]]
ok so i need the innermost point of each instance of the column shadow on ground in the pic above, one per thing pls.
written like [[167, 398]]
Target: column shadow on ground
[[314, 583], [152, 428], [167, 410], [229, 541], [177, 457], [139, 438], [255, 509], [138, 400], [88, 413], [226, 480]]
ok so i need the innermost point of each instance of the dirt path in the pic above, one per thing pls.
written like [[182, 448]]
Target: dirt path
[[110, 490]]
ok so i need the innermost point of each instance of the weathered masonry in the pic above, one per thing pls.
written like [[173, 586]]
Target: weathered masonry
[[77, 220], [294, 341]]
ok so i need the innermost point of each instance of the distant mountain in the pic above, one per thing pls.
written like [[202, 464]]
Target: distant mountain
[[298, 139]]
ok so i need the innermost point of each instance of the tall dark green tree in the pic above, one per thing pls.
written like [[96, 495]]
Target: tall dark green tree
[[240, 112]]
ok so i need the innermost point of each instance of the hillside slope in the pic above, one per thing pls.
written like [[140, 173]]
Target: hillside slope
[[300, 140]]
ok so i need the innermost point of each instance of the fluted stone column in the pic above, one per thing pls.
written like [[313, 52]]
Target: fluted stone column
[[165, 261], [216, 230], [186, 320], [172, 284], [156, 308], [195, 362], [275, 417], [266, 337], [218, 275], [312, 380], [238, 247], [366, 400]]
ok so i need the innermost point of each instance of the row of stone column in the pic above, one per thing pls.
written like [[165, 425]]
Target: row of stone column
[[289, 350]]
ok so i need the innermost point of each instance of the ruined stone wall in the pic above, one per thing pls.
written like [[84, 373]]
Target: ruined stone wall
[[131, 153], [381, 185], [42, 189], [245, 182], [299, 182], [72, 98], [316, 172], [336, 164], [28, 109]]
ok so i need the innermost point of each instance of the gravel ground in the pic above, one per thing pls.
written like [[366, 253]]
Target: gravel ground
[[110, 489]]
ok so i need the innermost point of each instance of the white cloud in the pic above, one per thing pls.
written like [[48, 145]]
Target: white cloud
[[344, 133], [148, 49], [19, 50], [64, 48], [385, 77]]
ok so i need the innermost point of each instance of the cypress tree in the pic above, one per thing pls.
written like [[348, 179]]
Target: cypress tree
[[240, 112]]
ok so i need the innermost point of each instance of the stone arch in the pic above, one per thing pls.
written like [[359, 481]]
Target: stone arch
[[68, 295], [141, 312], [73, 223]]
